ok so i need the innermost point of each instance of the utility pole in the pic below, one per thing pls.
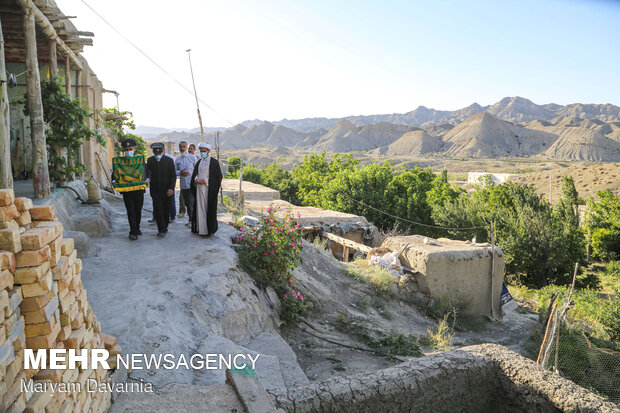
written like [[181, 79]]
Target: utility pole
[[202, 132], [550, 185]]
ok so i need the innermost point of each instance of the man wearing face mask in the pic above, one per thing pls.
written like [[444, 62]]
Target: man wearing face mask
[[162, 179], [128, 178], [184, 165], [205, 184]]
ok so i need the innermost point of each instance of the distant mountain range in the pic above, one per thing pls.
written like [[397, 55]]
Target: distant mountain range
[[512, 127]]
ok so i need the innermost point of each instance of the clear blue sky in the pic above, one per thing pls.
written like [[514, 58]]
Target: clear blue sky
[[289, 59]]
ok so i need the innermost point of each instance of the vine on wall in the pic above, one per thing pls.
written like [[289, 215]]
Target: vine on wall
[[66, 130]]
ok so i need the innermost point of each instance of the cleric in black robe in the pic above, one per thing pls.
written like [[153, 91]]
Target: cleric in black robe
[[162, 178], [205, 185]]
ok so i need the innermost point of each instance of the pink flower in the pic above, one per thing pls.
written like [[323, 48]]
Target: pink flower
[[255, 245], [273, 252], [266, 252], [253, 236], [286, 296], [293, 244], [269, 209], [272, 222], [298, 215], [241, 229]]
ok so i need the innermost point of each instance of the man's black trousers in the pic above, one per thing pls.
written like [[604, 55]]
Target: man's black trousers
[[161, 211], [188, 198], [133, 204]]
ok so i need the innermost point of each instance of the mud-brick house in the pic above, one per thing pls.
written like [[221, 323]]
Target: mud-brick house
[[39, 42]]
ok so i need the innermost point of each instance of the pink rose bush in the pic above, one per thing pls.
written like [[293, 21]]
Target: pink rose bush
[[270, 253]]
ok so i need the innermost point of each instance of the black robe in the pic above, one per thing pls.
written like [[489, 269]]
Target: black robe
[[215, 181]]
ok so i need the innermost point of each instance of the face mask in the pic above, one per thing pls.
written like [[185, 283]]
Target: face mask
[[204, 154], [129, 153], [158, 157]]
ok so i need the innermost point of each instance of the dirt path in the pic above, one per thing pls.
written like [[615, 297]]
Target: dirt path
[[168, 295]]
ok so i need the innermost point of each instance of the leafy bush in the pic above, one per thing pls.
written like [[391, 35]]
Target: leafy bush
[[539, 242], [603, 225], [613, 268], [294, 303], [270, 252], [272, 249]]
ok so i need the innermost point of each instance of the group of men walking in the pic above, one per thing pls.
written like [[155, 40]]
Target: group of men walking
[[200, 180]]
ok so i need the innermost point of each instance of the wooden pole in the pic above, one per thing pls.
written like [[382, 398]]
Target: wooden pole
[[67, 76], [202, 131], [41, 179], [53, 61], [6, 176]]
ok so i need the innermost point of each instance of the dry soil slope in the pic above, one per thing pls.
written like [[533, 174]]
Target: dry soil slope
[[588, 140], [484, 135], [589, 179], [344, 136], [415, 143]]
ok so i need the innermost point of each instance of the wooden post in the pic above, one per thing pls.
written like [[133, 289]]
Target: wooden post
[[53, 61], [41, 179], [68, 76], [6, 176]]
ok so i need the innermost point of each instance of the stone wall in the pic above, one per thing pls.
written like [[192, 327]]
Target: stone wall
[[454, 271], [484, 378], [43, 305]]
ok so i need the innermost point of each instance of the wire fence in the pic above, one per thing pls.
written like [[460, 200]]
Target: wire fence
[[569, 352]]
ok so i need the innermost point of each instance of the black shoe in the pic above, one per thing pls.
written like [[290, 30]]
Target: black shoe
[[139, 232], [133, 237], [151, 220], [166, 231], [161, 234]]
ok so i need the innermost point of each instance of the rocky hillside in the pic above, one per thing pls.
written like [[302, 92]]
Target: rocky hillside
[[512, 127]]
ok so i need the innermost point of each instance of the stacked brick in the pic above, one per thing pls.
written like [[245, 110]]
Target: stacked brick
[[43, 305]]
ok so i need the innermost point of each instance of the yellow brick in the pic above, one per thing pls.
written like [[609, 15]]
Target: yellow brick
[[78, 266], [56, 250], [72, 257], [65, 332], [66, 302], [7, 261], [10, 240], [68, 245], [23, 219], [23, 204], [61, 268], [41, 329], [38, 401], [6, 280], [35, 303], [4, 301], [28, 275], [18, 406], [12, 225], [70, 315], [12, 392], [36, 238], [32, 258], [43, 213], [55, 225], [78, 321], [8, 212], [42, 314], [7, 196], [38, 288], [108, 340], [44, 341]]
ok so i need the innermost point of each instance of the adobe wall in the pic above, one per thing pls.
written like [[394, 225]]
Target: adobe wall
[[484, 378], [454, 271]]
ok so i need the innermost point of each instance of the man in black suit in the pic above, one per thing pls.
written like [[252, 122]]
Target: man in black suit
[[162, 178]]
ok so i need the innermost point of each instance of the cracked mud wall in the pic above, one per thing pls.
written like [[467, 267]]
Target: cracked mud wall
[[484, 378]]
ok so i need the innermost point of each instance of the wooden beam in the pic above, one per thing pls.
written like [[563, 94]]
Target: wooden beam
[[41, 179], [53, 61], [347, 243], [6, 175], [68, 76], [80, 33], [49, 30]]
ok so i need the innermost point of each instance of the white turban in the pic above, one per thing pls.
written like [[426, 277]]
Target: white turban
[[204, 145]]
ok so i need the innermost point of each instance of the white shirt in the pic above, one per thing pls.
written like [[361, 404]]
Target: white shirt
[[203, 169]]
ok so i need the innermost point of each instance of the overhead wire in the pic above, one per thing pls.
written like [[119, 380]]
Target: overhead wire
[[160, 67], [414, 222]]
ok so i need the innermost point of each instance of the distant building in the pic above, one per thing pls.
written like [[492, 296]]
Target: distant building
[[474, 177]]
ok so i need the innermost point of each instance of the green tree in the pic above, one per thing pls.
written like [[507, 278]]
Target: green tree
[[120, 124], [234, 164], [315, 172], [602, 225], [67, 129]]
